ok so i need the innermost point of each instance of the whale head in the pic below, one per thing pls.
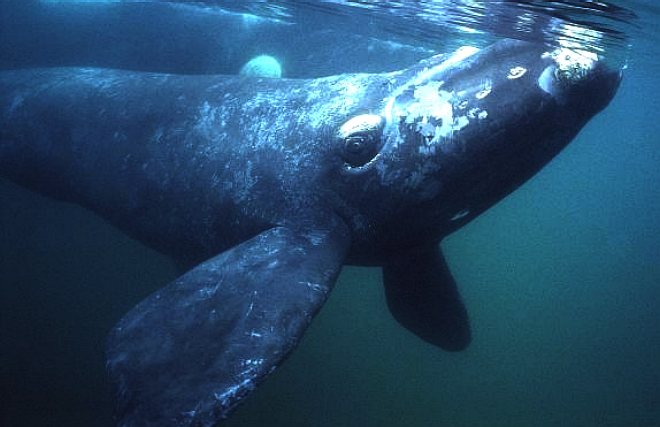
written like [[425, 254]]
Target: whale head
[[459, 132]]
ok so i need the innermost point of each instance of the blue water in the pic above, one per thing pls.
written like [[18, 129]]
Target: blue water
[[561, 279]]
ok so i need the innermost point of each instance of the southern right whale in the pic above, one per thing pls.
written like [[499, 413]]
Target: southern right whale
[[269, 186]]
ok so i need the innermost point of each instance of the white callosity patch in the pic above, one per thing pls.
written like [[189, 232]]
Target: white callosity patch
[[438, 114], [516, 73], [434, 112], [429, 101], [428, 73], [483, 93], [567, 58], [477, 113], [572, 64], [569, 66], [422, 101], [425, 76]]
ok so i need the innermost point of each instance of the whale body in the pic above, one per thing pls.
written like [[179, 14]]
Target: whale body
[[267, 187]]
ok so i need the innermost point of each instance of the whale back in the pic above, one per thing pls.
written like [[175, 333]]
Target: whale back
[[225, 153]]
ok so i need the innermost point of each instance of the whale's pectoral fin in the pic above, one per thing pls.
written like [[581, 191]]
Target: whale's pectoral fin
[[422, 296], [190, 352]]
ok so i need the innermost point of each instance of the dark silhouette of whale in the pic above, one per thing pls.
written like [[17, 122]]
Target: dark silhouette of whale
[[184, 38], [268, 186]]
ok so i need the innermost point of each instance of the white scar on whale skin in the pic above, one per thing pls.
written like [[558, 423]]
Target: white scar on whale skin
[[346, 91], [460, 214]]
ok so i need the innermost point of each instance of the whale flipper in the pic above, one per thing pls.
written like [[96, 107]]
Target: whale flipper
[[188, 353], [422, 296]]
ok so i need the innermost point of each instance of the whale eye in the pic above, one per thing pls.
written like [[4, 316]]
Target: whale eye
[[359, 149], [361, 137], [356, 145]]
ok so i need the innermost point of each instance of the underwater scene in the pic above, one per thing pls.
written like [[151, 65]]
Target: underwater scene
[[463, 195]]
